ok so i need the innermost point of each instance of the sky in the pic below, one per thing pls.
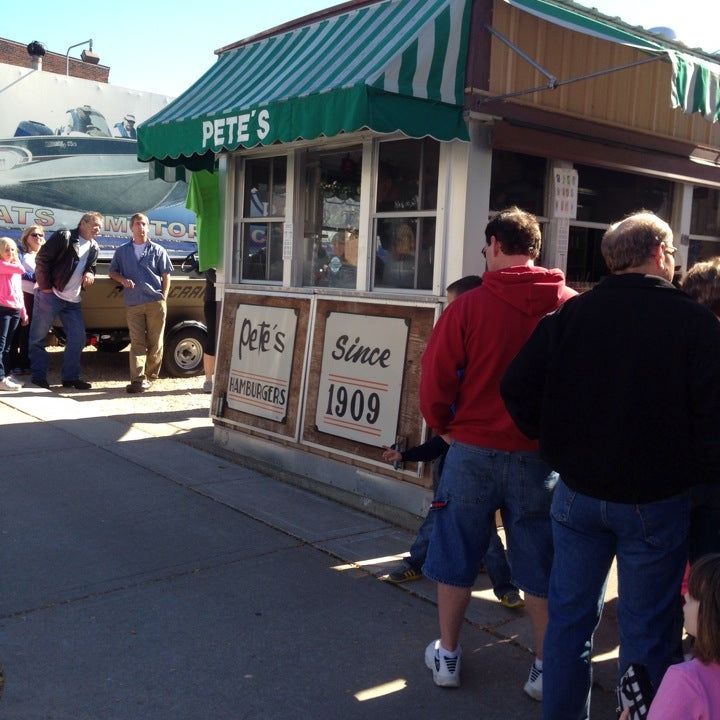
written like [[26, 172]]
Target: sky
[[163, 47]]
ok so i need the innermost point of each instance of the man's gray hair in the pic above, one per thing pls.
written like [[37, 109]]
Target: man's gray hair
[[631, 242]]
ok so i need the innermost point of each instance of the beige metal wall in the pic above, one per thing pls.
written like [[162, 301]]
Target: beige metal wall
[[637, 98]]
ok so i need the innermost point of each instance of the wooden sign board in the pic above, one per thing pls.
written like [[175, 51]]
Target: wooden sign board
[[260, 356], [363, 361], [416, 324]]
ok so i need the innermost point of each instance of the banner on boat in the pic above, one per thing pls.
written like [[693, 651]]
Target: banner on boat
[[67, 146]]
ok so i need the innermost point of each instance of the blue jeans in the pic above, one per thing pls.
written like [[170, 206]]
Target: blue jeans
[[495, 560], [46, 307], [475, 482], [9, 319], [650, 543]]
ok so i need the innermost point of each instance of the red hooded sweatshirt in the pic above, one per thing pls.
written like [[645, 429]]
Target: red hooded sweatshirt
[[472, 345]]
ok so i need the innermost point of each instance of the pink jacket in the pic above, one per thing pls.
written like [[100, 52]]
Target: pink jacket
[[11, 287]]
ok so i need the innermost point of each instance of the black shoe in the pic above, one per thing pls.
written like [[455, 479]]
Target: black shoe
[[138, 386], [77, 384], [40, 382]]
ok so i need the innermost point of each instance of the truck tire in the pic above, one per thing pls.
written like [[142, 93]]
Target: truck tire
[[183, 354], [111, 346]]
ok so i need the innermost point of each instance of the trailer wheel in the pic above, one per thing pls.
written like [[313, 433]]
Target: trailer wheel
[[183, 355]]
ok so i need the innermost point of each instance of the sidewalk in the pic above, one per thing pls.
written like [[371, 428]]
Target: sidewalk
[[146, 578]]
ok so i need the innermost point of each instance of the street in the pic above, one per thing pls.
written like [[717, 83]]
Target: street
[[145, 578]]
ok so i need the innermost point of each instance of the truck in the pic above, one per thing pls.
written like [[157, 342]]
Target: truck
[[71, 154]]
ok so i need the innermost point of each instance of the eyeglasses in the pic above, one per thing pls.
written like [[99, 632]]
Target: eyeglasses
[[670, 250]]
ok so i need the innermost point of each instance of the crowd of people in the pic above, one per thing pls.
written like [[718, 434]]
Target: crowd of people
[[45, 280], [590, 423]]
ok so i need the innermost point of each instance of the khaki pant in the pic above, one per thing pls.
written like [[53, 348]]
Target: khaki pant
[[146, 324]]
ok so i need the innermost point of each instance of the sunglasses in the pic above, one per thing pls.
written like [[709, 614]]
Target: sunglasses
[[38, 235]]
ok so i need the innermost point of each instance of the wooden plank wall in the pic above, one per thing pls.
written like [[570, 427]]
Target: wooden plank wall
[[636, 98], [420, 323]]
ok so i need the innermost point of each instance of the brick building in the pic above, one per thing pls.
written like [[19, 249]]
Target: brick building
[[15, 53]]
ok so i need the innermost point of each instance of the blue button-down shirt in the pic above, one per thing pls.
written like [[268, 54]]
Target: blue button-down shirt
[[146, 272]]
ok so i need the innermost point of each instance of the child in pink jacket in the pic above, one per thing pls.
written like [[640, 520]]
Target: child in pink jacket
[[12, 307]]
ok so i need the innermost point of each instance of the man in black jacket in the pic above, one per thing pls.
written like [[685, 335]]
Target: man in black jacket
[[64, 266], [622, 387]]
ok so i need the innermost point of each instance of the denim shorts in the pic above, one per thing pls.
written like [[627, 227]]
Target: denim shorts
[[476, 482]]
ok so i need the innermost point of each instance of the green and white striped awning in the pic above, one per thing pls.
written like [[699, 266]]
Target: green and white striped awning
[[397, 65], [696, 80]]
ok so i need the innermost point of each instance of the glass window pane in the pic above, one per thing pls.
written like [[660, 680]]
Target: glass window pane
[[606, 196], [517, 179], [408, 175], [278, 187], [585, 263], [332, 217], [265, 187], [701, 250], [262, 260], [257, 188], [254, 251], [705, 212], [404, 252]]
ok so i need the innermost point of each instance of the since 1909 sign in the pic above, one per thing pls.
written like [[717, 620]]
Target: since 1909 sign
[[261, 360], [361, 377]]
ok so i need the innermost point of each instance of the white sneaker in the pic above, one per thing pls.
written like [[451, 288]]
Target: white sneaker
[[7, 383], [533, 686], [445, 668]]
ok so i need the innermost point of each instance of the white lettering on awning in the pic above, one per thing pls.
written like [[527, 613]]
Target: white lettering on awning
[[235, 129]]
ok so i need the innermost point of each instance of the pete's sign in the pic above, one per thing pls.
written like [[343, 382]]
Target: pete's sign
[[236, 129], [361, 377], [261, 360]]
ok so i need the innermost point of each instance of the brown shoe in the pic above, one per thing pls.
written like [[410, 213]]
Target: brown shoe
[[138, 386]]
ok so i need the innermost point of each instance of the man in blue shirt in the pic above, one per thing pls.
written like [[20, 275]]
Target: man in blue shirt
[[143, 268]]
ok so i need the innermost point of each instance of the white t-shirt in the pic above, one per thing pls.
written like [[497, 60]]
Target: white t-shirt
[[139, 249], [71, 291]]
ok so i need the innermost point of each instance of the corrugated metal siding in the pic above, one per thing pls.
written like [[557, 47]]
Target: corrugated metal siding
[[636, 98]]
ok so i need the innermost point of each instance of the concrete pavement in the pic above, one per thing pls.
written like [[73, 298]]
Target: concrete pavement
[[144, 578]]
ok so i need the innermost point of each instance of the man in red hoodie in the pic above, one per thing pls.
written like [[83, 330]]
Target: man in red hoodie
[[491, 465]]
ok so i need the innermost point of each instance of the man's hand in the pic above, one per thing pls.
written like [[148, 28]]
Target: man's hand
[[88, 279], [24, 322], [391, 455], [128, 283]]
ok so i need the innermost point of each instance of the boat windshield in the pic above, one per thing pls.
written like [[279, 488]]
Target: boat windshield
[[85, 120]]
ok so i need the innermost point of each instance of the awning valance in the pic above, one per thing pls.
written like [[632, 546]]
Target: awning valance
[[696, 79], [397, 65]]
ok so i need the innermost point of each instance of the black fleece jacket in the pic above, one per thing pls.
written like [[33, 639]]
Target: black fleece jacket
[[622, 387], [57, 259]]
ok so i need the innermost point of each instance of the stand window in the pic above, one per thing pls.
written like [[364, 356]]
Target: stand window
[[258, 232], [405, 214]]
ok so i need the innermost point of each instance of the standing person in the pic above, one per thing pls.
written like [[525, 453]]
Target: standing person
[[702, 283], [31, 240], [12, 308], [210, 307], [490, 465], [64, 266], [434, 450], [143, 268], [691, 690], [622, 387]]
